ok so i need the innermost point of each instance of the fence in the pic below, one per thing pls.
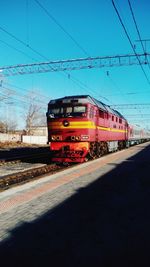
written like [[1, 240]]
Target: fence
[[9, 137], [32, 139], [29, 139]]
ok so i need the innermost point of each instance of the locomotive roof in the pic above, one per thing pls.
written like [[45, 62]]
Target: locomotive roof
[[84, 99]]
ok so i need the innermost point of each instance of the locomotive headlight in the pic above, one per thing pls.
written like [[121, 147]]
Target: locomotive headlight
[[56, 137], [75, 138]]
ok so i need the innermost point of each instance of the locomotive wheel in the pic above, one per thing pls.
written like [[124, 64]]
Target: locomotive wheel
[[103, 148], [92, 151], [98, 150], [106, 149]]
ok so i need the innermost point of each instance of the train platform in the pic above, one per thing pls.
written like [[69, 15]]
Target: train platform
[[94, 214]]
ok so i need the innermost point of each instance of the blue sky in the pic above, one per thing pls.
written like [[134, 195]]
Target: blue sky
[[95, 27]]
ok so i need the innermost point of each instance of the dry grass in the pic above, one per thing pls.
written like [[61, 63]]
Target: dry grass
[[7, 144]]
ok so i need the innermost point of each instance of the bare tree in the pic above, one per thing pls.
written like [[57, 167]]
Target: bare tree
[[5, 93], [2, 127], [6, 125], [35, 114], [12, 126]]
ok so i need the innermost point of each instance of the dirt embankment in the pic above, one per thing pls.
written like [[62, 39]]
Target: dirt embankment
[[5, 145]]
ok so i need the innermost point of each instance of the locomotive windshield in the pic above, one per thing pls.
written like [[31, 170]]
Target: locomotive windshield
[[66, 111]]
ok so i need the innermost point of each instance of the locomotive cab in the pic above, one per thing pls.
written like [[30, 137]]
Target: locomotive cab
[[66, 111], [71, 127]]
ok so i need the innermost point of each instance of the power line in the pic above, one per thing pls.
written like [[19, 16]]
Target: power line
[[27, 21], [42, 69], [20, 41], [88, 89], [130, 41], [133, 16], [12, 71], [131, 106], [24, 97], [140, 39], [137, 115], [130, 93], [61, 27], [23, 89], [16, 49], [75, 80]]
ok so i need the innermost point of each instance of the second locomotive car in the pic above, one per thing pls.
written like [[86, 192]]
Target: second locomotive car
[[81, 127]]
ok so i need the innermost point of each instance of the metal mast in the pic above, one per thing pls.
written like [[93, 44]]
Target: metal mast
[[75, 64]]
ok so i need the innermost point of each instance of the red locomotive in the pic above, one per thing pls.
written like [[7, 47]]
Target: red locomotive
[[81, 127]]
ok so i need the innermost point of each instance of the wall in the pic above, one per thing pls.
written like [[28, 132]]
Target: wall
[[31, 139], [9, 137]]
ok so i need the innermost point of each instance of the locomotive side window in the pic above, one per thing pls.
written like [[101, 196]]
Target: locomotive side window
[[79, 109], [68, 109], [101, 114], [106, 116], [91, 114]]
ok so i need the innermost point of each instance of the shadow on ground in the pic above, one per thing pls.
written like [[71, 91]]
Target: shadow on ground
[[27, 154], [105, 224]]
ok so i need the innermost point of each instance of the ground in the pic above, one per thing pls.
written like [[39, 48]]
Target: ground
[[5, 145]]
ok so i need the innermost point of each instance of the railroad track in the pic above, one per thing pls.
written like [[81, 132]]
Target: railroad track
[[19, 169], [24, 173], [27, 175], [33, 170], [31, 157]]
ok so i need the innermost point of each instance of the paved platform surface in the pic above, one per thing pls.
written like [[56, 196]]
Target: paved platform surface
[[96, 214]]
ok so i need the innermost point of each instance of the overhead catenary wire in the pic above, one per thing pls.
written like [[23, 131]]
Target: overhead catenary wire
[[88, 89], [75, 80], [140, 39], [16, 49], [31, 48], [36, 52], [28, 46], [79, 46], [27, 21], [133, 16], [61, 27], [27, 42], [12, 94], [129, 39], [22, 42], [42, 55], [23, 89]]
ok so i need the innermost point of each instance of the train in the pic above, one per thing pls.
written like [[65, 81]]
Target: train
[[81, 127]]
